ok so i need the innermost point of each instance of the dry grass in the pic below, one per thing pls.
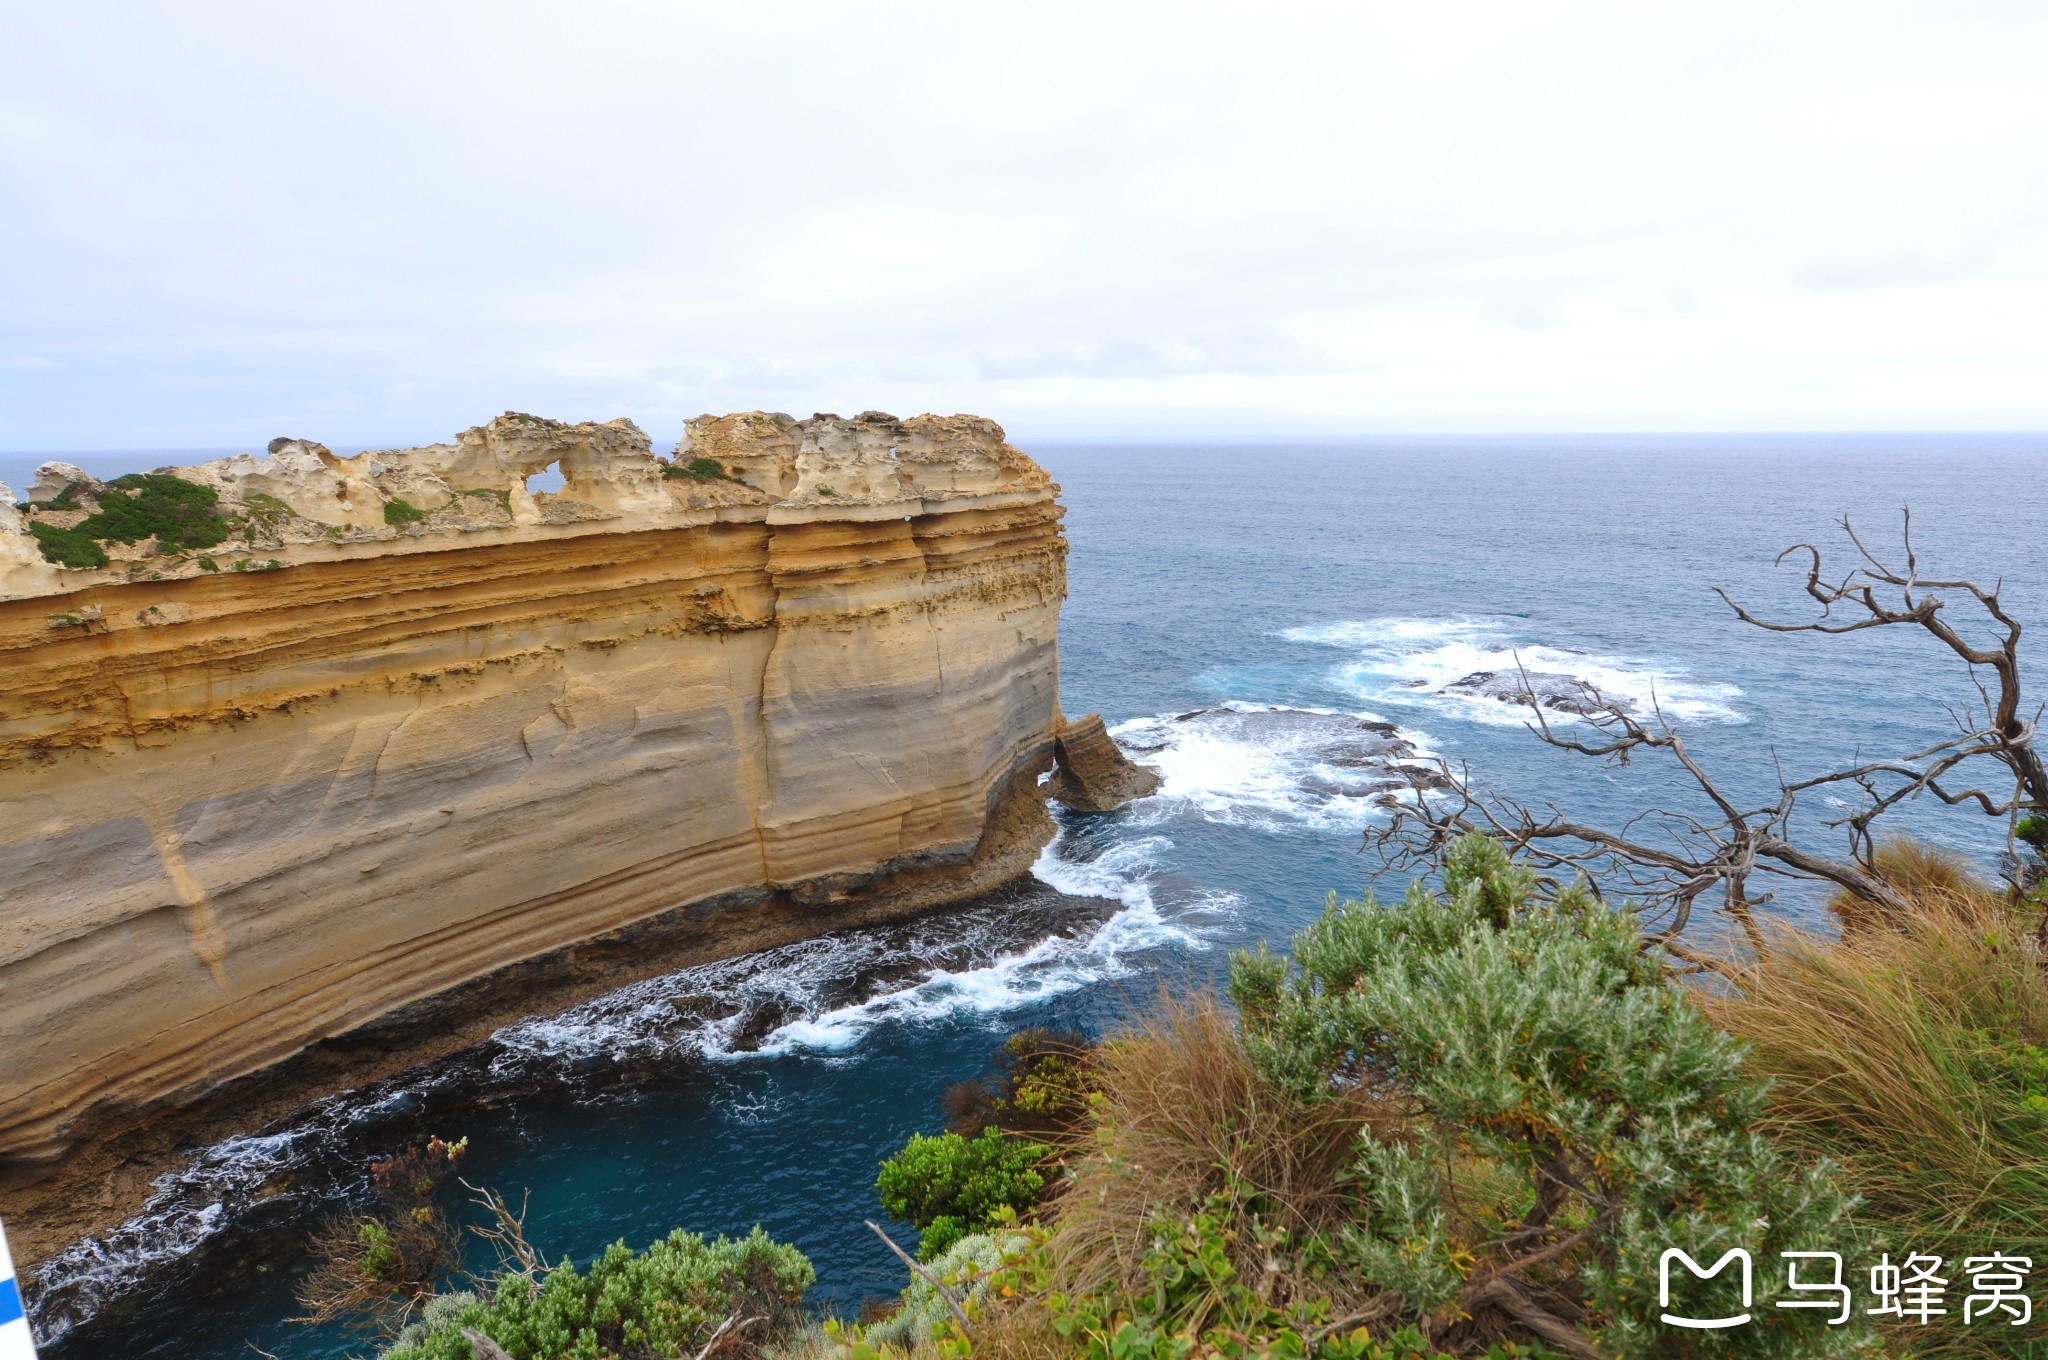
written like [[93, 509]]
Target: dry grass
[[1916, 1057], [1184, 1117]]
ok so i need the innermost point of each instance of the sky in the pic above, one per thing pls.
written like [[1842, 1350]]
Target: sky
[[381, 223]]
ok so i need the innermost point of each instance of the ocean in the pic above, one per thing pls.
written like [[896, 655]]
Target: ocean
[[1235, 611]]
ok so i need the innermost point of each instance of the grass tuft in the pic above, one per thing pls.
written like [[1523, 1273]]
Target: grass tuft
[[1916, 1057]]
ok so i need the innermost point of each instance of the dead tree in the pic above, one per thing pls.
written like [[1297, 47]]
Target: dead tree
[[1730, 850]]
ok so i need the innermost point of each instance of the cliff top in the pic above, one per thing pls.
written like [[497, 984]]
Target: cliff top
[[301, 502]]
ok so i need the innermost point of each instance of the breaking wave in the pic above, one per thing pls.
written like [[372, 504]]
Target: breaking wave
[[1277, 768], [1414, 662]]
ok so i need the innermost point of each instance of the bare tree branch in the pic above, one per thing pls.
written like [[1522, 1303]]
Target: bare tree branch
[[1670, 859], [929, 1278]]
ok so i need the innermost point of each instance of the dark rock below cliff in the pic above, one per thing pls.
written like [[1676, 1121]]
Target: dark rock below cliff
[[1092, 775]]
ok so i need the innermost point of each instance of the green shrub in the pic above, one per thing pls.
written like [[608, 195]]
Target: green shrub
[[177, 513], [68, 547], [1569, 1099], [208, 564], [399, 513], [665, 1301], [948, 1186]]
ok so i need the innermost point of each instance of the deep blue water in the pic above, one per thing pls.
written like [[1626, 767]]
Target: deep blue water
[[1352, 577]]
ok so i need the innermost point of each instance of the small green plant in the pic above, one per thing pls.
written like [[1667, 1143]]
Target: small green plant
[[948, 1186], [399, 513], [208, 564], [699, 470], [826, 491], [73, 548]]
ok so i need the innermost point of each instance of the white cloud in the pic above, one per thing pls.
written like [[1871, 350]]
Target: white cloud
[[381, 222]]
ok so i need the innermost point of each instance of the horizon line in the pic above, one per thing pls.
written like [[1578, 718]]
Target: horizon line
[[1212, 438]]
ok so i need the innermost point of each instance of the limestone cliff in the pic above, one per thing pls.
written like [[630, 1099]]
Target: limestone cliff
[[411, 734]]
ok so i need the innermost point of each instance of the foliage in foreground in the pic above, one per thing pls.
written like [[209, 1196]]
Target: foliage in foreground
[[1916, 1056], [1466, 1123], [663, 1302]]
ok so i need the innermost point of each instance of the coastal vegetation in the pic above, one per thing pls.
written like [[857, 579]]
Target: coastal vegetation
[[178, 514], [698, 470], [680, 1297]]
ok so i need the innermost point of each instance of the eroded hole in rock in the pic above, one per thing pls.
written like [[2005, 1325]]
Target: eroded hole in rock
[[548, 478]]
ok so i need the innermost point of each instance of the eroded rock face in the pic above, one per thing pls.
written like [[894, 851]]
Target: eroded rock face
[[53, 479], [243, 813], [1091, 774], [301, 502], [21, 564]]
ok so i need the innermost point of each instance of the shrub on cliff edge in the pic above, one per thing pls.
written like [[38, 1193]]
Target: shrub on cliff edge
[[948, 1186], [666, 1301], [178, 514]]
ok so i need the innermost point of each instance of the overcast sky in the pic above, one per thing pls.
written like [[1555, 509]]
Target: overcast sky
[[371, 223]]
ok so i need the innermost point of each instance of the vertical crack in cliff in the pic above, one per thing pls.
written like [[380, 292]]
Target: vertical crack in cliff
[[203, 933], [758, 756]]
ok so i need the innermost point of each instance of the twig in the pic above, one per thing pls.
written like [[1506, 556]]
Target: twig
[[507, 1235], [930, 1278], [735, 1323]]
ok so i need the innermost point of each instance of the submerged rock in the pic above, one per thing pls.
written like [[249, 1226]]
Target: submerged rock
[[1544, 689]]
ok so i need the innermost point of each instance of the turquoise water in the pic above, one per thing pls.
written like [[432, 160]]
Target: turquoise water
[[1290, 582]]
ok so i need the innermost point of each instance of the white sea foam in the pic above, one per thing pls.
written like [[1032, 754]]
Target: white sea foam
[[1410, 661], [1274, 767]]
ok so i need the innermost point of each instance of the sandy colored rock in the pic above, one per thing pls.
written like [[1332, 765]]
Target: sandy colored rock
[[1092, 774], [52, 479], [22, 568], [246, 813]]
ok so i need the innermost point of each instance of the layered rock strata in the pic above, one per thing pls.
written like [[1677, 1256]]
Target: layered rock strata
[[803, 672]]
